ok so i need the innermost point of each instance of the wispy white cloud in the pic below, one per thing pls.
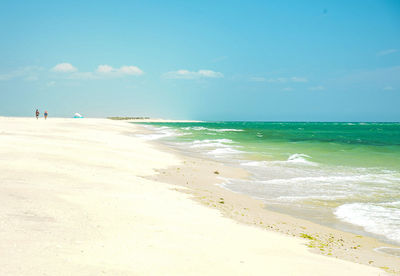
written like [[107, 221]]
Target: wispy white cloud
[[317, 88], [258, 79], [287, 89], [27, 73], [298, 79], [381, 76], [279, 79], [31, 78], [7, 76], [64, 68], [388, 88], [104, 69], [185, 74], [50, 83], [130, 70], [123, 70], [387, 52], [83, 76]]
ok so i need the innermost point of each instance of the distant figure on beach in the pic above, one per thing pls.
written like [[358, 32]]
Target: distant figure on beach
[[45, 114], [37, 114]]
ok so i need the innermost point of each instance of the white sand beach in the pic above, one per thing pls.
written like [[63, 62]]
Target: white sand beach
[[76, 200]]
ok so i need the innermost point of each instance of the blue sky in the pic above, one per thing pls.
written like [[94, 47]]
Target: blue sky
[[209, 60]]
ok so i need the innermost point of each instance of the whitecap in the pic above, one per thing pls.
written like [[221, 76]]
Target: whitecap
[[297, 158], [229, 141], [225, 129], [212, 129]]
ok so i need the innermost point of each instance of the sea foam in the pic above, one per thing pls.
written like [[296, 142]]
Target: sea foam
[[297, 158], [160, 133], [224, 151], [213, 129], [373, 218], [288, 165]]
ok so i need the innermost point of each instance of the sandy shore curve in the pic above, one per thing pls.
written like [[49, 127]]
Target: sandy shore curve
[[75, 200]]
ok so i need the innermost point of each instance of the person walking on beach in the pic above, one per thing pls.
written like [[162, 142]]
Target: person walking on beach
[[37, 114], [45, 114]]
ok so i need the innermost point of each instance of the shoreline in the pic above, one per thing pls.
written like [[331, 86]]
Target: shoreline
[[319, 238], [76, 200]]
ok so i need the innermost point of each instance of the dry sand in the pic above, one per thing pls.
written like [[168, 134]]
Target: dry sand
[[204, 179], [75, 201]]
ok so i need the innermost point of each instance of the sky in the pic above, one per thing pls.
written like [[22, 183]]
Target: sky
[[202, 60]]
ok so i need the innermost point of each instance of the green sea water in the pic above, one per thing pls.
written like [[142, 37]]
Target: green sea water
[[332, 172]]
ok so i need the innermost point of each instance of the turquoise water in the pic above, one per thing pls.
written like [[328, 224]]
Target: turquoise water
[[341, 174]]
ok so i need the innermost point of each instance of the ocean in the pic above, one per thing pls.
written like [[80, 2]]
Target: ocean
[[343, 175]]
